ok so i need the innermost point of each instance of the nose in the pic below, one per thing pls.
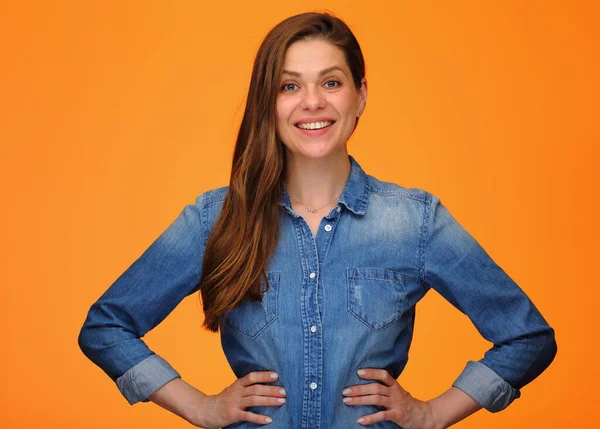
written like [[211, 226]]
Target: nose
[[313, 99]]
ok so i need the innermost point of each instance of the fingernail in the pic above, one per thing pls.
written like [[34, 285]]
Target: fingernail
[[347, 399], [360, 420], [282, 391], [281, 400], [268, 419], [361, 372], [274, 375], [346, 391]]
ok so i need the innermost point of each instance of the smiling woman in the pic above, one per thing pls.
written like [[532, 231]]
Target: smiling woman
[[318, 105], [311, 270]]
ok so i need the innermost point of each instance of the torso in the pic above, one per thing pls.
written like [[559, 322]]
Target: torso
[[313, 222]]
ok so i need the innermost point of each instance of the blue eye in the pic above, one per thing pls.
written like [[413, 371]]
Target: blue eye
[[332, 81], [286, 87]]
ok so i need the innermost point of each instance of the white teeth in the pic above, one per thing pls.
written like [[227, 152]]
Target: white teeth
[[314, 125]]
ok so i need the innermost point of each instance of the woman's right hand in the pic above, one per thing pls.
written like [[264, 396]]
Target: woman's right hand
[[217, 411]]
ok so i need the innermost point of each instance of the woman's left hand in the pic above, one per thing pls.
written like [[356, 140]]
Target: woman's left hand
[[401, 408]]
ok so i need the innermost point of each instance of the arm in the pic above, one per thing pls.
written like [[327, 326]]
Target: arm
[[451, 407], [167, 272], [181, 399], [455, 265]]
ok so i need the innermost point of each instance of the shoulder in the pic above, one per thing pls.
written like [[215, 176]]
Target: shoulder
[[208, 205], [391, 192], [212, 196]]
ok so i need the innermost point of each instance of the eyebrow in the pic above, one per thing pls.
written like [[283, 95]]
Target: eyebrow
[[321, 73]]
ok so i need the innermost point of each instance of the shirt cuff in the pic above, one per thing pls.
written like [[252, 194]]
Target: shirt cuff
[[486, 387], [146, 377]]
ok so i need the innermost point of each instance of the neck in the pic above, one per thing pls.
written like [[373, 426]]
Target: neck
[[314, 182]]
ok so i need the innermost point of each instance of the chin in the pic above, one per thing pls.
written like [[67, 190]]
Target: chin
[[316, 152]]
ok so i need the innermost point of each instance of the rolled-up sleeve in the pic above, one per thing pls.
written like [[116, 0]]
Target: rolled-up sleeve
[[143, 296], [455, 265]]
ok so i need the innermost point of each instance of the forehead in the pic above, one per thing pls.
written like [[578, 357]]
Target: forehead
[[307, 56]]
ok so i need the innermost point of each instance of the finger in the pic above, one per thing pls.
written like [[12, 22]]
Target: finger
[[374, 418], [257, 377], [377, 374], [380, 400], [255, 418], [262, 390], [256, 401], [367, 389]]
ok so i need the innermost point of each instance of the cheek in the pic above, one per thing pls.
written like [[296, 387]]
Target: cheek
[[284, 110], [346, 104], [349, 107]]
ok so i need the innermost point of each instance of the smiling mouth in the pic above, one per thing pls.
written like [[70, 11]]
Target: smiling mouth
[[314, 125]]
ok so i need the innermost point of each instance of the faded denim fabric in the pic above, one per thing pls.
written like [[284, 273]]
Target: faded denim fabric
[[343, 301]]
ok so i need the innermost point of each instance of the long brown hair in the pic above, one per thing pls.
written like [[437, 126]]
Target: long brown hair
[[245, 234]]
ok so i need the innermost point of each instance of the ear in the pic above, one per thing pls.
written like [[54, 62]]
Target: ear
[[362, 93]]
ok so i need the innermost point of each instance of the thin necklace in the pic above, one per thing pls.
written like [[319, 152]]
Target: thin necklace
[[313, 211]]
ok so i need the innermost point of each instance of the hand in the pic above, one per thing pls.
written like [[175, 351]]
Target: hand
[[217, 411], [402, 409]]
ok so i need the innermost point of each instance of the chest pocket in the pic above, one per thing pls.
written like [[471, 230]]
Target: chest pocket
[[252, 317], [376, 296]]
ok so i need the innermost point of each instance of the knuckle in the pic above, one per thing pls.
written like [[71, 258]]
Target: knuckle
[[249, 417]]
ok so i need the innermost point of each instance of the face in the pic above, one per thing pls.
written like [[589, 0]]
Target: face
[[317, 104]]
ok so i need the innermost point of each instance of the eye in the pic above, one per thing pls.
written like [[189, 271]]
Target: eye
[[288, 87], [332, 81]]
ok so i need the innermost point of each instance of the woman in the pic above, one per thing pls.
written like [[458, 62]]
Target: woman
[[311, 270]]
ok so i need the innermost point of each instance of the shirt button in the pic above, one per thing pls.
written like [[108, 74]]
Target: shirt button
[[327, 228], [312, 275], [313, 385], [313, 328]]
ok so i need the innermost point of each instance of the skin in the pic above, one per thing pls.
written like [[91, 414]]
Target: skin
[[229, 406], [305, 94], [317, 167]]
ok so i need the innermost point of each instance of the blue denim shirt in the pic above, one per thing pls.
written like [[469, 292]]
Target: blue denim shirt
[[335, 303]]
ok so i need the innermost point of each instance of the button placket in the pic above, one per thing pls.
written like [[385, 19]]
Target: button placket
[[313, 347]]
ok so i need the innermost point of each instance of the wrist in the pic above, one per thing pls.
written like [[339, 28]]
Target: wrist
[[196, 412], [432, 420]]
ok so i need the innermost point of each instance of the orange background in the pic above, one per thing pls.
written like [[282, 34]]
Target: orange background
[[115, 115]]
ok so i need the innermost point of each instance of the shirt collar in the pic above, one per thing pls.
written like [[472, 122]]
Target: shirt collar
[[355, 196]]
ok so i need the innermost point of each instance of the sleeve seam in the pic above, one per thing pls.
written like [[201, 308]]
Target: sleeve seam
[[423, 241]]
